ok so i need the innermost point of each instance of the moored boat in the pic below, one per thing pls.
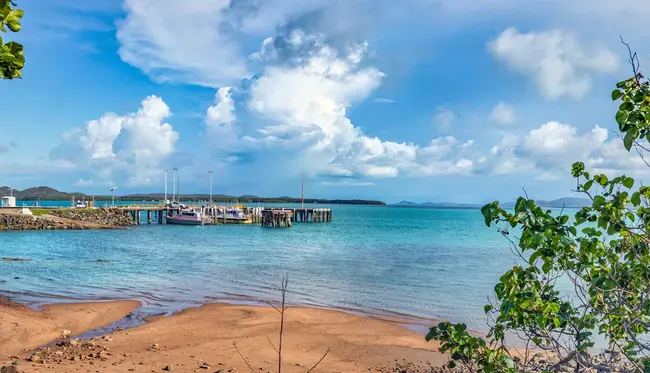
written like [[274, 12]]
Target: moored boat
[[186, 217], [233, 216]]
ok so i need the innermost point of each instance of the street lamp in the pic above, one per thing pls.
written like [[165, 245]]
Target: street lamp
[[210, 172], [174, 188], [165, 187], [113, 196]]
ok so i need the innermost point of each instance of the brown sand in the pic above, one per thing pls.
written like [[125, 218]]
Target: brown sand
[[201, 340], [22, 328]]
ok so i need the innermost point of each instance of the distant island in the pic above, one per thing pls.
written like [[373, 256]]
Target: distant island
[[567, 202], [50, 194]]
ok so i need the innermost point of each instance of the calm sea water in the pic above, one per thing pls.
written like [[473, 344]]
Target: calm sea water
[[433, 263]]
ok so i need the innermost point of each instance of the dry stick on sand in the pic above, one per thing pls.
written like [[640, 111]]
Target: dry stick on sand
[[281, 310]]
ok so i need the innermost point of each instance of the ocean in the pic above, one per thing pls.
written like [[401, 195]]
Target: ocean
[[424, 262]]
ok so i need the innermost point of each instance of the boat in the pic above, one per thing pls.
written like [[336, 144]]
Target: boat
[[186, 217], [81, 204], [233, 216]]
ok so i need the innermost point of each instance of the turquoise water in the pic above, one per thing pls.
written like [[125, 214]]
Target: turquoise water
[[433, 263]]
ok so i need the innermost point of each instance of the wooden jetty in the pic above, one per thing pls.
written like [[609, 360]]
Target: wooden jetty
[[267, 217], [277, 218]]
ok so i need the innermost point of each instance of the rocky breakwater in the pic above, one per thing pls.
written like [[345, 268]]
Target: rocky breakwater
[[65, 219], [112, 217]]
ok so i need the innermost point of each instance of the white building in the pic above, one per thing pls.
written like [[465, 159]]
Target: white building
[[8, 202]]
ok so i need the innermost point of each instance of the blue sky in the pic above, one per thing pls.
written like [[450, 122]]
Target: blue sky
[[431, 100]]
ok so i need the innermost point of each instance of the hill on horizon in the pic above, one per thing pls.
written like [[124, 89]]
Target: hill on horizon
[[48, 193], [567, 202]]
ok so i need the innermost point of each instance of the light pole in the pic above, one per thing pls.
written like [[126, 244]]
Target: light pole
[[302, 189], [210, 172], [165, 187], [113, 196], [174, 187]]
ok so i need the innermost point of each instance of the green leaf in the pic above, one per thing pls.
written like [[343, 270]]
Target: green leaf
[[621, 117], [626, 106], [616, 94], [599, 200], [547, 267], [588, 185], [636, 198], [487, 308], [628, 141], [628, 182]]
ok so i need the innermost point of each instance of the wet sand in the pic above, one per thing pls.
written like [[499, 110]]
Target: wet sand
[[201, 340], [22, 328]]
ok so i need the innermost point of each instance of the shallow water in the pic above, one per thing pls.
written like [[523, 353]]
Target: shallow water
[[433, 263]]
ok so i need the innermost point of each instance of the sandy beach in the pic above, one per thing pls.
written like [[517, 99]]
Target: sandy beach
[[201, 339]]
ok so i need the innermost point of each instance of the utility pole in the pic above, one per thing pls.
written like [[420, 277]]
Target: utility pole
[[210, 172], [174, 187], [165, 187], [302, 189]]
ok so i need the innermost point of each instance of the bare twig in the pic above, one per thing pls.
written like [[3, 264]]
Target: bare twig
[[283, 289], [242, 356], [271, 343], [321, 359]]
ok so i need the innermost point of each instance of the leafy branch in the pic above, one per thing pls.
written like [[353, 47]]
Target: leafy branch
[[604, 252], [12, 59]]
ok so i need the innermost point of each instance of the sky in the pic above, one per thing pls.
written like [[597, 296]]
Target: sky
[[421, 100]]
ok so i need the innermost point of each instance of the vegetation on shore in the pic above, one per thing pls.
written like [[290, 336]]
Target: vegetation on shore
[[44, 193], [604, 253]]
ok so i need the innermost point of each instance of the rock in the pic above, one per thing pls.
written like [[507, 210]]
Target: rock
[[35, 359], [204, 366], [155, 346], [65, 333], [74, 342], [169, 368], [9, 369], [6, 259], [16, 278], [221, 371]]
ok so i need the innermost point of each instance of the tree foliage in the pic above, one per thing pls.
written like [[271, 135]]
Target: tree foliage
[[12, 59], [604, 253]]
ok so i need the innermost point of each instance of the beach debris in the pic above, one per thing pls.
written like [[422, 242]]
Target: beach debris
[[9, 369]]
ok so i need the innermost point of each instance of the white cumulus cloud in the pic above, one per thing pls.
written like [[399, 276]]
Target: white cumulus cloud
[[551, 149], [503, 114], [130, 148], [220, 121], [555, 60], [308, 101], [180, 41]]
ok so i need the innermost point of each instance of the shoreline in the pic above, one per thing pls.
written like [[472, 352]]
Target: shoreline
[[415, 323], [356, 343]]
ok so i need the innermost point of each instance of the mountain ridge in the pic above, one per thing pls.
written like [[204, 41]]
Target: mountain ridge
[[48, 193], [567, 202]]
